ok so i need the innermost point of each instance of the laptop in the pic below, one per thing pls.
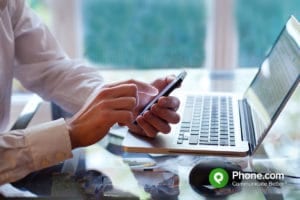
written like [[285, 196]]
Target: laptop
[[225, 124]]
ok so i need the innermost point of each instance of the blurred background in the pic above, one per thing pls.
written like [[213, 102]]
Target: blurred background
[[219, 35], [143, 34]]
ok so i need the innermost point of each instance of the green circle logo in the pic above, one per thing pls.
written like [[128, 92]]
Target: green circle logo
[[218, 178]]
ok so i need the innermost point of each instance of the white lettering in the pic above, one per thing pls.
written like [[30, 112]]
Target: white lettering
[[257, 176]]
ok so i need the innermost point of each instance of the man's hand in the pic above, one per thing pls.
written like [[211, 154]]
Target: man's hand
[[161, 114], [109, 106], [121, 103]]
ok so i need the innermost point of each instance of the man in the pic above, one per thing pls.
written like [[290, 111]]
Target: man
[[31, 54]]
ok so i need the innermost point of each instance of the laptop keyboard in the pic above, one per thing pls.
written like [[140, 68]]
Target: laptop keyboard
[[207, 120]]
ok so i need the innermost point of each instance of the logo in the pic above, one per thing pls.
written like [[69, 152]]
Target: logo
[[218, 178]]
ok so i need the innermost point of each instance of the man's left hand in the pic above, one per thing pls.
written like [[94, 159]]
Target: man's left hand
[[161, 114]]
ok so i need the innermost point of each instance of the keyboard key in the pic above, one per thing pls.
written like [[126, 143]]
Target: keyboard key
[[194, 132], [204, 138], [187, 115], [179, 141], [214, 139], [203, 142], [193, 139]]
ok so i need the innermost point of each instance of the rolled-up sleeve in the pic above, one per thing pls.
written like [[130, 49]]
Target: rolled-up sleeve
[[43, 68], [34, 148]]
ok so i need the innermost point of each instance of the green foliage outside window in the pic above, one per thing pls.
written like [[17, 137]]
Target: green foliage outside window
[[259, 23], [144, 33], [171, 33]]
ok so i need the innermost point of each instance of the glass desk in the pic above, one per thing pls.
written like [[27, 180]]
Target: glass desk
[[104, 171]]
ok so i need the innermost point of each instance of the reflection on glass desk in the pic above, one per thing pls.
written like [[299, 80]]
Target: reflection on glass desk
[[105, 171]]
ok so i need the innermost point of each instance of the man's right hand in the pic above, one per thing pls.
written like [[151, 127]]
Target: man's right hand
[[111, 105]]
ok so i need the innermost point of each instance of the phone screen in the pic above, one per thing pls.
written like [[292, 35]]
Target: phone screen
[[166, 91]]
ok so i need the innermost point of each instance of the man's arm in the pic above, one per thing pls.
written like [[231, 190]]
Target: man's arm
[[44, 68], [24, 151]]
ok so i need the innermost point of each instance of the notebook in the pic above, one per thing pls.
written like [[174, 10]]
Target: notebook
[[224, 124]]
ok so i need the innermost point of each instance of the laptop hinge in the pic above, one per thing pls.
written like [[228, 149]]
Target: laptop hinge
[[247, 128]]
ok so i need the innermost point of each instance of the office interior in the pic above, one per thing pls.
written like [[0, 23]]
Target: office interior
[[145, 39]]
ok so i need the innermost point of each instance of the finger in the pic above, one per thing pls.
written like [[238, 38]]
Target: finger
[[135, 128], [122, 103], [163, 82], [121, 117], [141, 86], [145, 88], [124, 90], [121, 124], [169, 102], [109, 105], [143, 100], [157, 123], [148, 129], [108, 110], [166, 114]]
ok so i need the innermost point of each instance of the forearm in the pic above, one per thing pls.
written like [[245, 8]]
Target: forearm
[[25, 151]]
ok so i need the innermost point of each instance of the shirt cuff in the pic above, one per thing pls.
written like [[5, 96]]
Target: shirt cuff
[[49, 143]]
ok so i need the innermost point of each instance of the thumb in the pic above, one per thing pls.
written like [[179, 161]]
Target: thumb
[[163, 82], [146, 92]]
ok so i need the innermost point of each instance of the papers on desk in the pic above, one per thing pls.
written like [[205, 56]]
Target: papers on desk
[[99, 159], [7, 190]]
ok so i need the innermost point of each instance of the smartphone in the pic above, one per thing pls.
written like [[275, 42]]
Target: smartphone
[[165, 92]]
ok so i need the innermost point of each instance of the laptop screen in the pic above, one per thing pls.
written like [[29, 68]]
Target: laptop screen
[[276, 79]]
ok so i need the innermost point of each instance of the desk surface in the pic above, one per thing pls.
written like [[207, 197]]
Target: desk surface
[[104, 170]]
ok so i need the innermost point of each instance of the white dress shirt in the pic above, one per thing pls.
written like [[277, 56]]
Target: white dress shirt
[[29, 52]]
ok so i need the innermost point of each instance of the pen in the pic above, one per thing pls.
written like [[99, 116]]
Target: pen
[[148, 169]]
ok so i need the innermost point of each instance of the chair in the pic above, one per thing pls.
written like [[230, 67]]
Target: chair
[[27, 113], [30, 110], [57, 112]]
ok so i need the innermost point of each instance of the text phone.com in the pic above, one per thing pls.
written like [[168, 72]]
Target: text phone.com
[[219, 178]]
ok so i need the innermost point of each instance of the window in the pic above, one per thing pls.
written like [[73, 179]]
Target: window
[[144, 33], [259, 23], [169, 33]]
